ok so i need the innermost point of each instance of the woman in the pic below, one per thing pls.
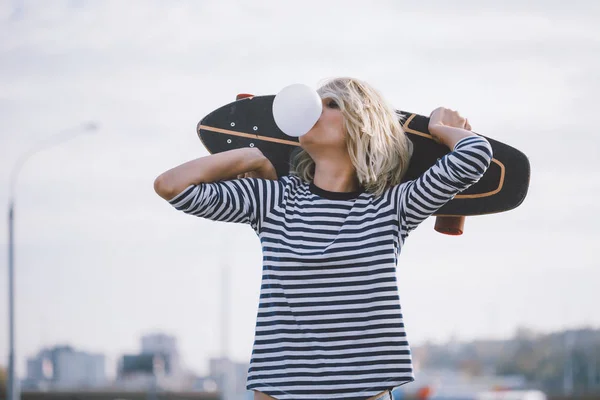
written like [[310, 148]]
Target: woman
[[329, 322]]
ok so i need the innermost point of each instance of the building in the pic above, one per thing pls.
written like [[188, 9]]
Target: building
[[157, 366], [230, 377], [63, 367], [159, 343]]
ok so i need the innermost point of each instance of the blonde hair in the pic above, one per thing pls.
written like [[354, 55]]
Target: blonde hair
[[377, 144]]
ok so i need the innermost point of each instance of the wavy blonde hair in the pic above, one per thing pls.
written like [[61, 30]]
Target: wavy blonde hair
[[378, 147]]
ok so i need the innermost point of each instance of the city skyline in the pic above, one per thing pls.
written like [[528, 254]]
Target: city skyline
[[102, 260], [156, 365]]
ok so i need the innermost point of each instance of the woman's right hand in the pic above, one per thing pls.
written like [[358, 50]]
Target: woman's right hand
[[266, 170]]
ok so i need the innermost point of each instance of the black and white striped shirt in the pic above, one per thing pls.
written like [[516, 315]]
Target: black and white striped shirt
[[329, 323]]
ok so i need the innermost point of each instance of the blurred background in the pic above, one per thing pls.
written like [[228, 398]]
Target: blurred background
[[117, 293]]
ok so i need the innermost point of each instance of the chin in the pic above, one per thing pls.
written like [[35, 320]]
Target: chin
[[306, 139]]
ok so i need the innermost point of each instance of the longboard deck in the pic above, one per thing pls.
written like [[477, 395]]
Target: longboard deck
[[249, 122]]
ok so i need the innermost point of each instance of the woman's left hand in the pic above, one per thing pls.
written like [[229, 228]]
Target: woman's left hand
[[447, 117], [448, 127]]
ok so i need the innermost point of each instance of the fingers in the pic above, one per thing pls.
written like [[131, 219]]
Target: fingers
[[251, 174], [462, 121], [449, 117]]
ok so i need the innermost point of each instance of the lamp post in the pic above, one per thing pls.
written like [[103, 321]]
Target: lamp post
[[11, 388]]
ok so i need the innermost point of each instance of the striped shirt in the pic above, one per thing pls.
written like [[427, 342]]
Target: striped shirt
[[329, 322]]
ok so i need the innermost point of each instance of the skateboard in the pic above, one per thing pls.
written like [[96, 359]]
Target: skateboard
[[248, 122]]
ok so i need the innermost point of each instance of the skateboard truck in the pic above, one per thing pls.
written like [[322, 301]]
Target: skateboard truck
[[450, 225]]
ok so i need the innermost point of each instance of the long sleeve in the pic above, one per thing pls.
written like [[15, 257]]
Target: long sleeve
[[244, 200], [450, 175]]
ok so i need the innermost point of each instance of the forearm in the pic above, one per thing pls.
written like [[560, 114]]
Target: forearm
[[450, 175], [448, 135], [212, 168]]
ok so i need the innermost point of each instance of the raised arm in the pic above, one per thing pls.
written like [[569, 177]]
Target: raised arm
[[470, 157], [213, 168], [207, 188]]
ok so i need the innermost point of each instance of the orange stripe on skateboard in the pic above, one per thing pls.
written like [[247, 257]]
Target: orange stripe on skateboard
[[249, 135]]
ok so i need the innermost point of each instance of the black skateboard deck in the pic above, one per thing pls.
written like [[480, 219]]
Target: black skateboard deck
[[248, 122]]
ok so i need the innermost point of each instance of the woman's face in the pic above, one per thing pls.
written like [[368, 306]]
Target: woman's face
[[329, 131]]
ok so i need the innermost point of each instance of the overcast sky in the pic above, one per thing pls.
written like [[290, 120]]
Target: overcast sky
[[101, 259]]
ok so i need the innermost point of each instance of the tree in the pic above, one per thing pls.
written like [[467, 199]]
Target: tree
[[3, 378]]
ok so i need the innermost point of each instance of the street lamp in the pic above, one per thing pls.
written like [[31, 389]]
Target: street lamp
[[63, 136]]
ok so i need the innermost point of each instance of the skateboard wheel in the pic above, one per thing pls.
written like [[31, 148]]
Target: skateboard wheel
[[243, 96], [450, 225]]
